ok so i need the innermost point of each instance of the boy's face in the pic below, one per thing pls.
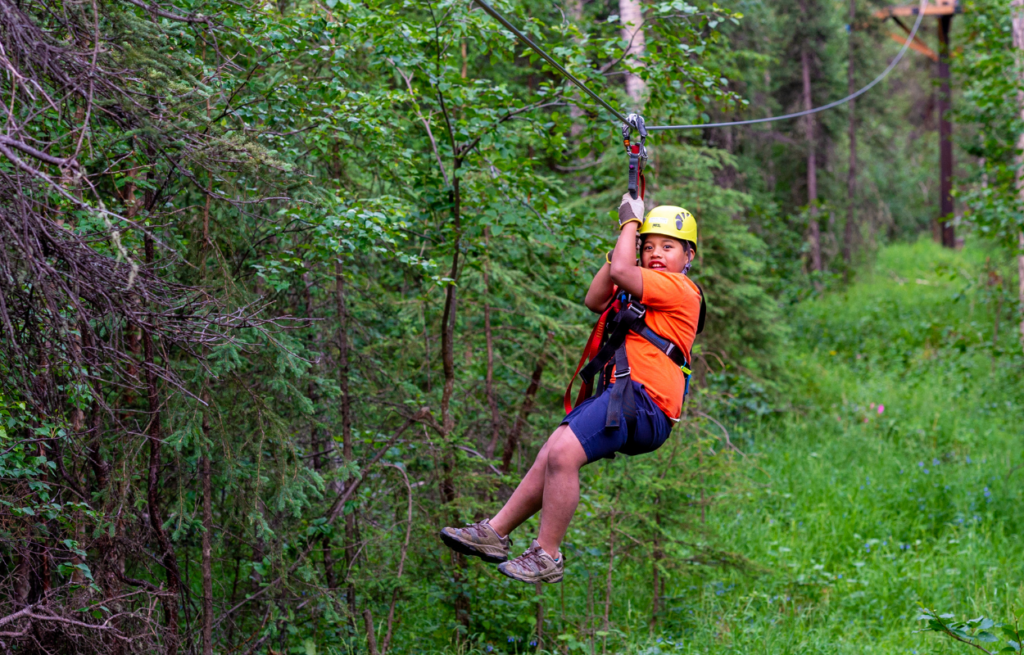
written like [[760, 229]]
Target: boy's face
[[661, 253]]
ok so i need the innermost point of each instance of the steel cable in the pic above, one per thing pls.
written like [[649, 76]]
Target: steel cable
[[496, 15], [650, 128]]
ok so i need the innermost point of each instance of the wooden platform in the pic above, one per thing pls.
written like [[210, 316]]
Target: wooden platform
[[939, 8]]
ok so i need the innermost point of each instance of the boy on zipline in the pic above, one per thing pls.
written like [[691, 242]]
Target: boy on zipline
[[648, 340]]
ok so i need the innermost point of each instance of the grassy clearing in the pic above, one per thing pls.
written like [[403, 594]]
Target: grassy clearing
[[893, 480]]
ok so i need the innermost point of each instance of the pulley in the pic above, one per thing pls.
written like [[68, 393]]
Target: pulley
[[637, 153]]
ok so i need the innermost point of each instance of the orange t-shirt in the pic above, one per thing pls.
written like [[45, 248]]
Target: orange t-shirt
[[673, 309]]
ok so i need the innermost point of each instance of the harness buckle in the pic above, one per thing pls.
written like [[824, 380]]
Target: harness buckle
[[639, 310]]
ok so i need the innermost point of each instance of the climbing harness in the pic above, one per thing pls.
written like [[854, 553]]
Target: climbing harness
[[606, 352]]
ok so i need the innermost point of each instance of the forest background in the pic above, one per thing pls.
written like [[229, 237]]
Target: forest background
[[288, 287]]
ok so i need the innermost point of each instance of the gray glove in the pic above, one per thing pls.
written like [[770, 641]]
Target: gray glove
[[631, 210]]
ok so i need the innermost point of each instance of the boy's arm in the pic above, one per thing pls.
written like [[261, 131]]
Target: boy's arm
[[600, 291], [624, 271]]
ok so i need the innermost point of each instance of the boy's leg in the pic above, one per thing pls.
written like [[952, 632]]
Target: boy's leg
[[526, 500], [565, 458]]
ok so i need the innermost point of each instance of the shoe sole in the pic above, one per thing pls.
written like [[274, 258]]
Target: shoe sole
[[466, 549], [551, 580]]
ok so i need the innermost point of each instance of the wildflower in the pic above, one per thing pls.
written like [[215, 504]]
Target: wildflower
[[935, 461], [533, 643], [968, 459], [920, 464], [988, 494], [511, 639], [881, 408]]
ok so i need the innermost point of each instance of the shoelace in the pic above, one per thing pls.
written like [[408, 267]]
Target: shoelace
[[532, 557], [478, 531]]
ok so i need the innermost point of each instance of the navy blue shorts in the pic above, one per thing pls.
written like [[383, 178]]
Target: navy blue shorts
[[588, 418]]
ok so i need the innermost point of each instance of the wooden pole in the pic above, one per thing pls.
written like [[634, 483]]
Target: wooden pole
[[1017, 26], [850, 230], [945, 138]]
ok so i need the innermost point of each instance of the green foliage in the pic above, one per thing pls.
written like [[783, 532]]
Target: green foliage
[[990, 72], [975, 632]]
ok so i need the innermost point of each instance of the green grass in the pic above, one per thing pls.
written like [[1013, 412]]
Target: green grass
[[859, 516]]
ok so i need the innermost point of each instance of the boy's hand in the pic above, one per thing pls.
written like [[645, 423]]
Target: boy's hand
[[631, 210]]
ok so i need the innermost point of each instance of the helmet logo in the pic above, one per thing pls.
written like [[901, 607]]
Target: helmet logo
[[679, 221]]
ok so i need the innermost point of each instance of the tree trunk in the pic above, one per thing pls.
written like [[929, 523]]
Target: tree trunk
[[656, 556], [631, 13], [813, 231], [1017, 8], [575, 10], [346, 428], [608, 581], [540, 615], [204, 471], [448, 315], [850, 230], [371, 634], [512, 443], [492, 400], [155, 438], [945, 138]]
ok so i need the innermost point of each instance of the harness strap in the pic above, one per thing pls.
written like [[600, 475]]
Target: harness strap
[[674, 352], [623, 321], [622, 398], [589, 351]]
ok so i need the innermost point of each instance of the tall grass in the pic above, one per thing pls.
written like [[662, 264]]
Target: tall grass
[[894, 478]]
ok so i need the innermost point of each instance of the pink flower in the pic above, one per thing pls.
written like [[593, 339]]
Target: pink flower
[[881, 408]]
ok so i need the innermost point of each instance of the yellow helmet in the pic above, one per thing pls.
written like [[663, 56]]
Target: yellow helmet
[[670, 221]]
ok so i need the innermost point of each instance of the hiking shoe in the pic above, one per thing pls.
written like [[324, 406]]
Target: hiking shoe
[[534, 565], [479, 540]]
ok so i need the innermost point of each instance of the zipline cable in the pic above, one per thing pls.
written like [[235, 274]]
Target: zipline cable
[[831, 105], [496, 15], [770, 119]]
